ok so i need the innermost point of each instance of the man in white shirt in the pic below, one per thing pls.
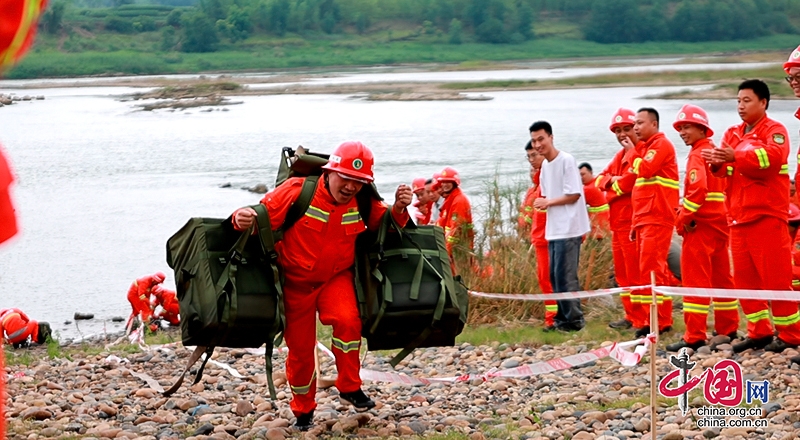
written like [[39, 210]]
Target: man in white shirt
[[567, 221]]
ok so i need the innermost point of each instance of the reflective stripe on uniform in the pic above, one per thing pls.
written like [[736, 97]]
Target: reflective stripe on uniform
[[763, 159], [617, 189], [695, 308], [601, 208], [715, 197], [758, 316], [784, 169], [636, 163], [551, 308], [787, 320], [690, 205], [350, 218], [625, 295], [318, 214], [726, 305], [305, 388], [345, 347], [729, 170], [658, 180]]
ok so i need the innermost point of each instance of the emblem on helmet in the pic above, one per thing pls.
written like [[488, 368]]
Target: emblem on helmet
[[618, 118], [357, 164]]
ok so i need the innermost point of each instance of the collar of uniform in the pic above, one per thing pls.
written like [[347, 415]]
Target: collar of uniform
[[702, 144], [743, 126], [654, 138]]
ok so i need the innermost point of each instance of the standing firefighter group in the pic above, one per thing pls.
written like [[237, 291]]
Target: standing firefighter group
[[735, 217]]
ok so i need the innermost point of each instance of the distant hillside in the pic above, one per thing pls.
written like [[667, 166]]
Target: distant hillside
[[386, 31]]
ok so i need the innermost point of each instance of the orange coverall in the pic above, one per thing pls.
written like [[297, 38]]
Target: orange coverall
[[704, 256], [423, 219], [139, 297], [317, 254], [624, 250], [598, 211], [169, 302], [757, 198], [8, 220], [525, 219], [539, 244], [654, 199], [456, 220], [17, 327]]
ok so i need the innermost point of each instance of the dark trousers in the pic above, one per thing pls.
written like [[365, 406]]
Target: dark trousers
[[564, 256]]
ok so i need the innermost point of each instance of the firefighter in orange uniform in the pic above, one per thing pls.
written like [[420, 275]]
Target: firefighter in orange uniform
[[423, 207], [794, 223], [19, 330], [455, 215], [317, 255], [617, 181], [792, 69], [169, 304], [654, 199], [139, 296], [595, 202], [703, 224], [754, 156], [539, 243], [525, 218]]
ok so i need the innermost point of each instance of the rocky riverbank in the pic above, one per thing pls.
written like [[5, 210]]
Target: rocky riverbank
[[88, 391]]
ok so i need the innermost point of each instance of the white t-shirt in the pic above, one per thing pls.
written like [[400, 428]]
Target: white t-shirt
[[558, 178]]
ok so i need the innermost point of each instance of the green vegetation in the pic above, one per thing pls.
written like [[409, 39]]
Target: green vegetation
[[104, 37]]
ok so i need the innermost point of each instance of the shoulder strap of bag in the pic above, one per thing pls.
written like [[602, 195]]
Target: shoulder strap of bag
[[192, 360], [267, 240], [299, 207]]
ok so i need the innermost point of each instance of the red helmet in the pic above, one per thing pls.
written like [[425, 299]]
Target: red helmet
[[622, 117], [449, 174], [794, 213], [793, 61], [694, 115], [160, 277], [352, 160], [436, 183], [418, 185]]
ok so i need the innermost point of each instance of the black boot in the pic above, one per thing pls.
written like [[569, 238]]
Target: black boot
[[304, 421], [683, 344], [644, 331], [755, 344], [622, 324], [358, 399], [778, 345]]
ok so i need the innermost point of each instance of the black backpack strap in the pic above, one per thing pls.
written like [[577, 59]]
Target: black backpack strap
[[299, 207], [198, 351]]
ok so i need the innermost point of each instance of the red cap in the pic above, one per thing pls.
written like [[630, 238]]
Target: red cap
[[794, 213], [622, 117], [694, 115], [418, 185], [793, 61], [160, 277], [352, 160]]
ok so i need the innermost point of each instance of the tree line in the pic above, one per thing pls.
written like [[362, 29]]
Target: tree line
[[200, 25]]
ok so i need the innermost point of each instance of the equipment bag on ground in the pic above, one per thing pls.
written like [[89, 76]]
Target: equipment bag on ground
[[228, 287], [407, 294]]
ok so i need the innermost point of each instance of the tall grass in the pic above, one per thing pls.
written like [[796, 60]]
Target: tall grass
[[504, 263]]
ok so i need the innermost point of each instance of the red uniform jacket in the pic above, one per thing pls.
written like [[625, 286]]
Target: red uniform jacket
[[17, 327], [618, 193], [169, 302], [8, 220], [322, 243], [539, 218], [525, 219], [797, 173], [655, 193], [139, 296], [758, 179], [456, 219], [703, 193], [598, 210], [423, 219]]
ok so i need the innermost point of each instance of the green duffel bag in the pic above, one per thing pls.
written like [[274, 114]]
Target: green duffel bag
[[407, 294], [228, 288]]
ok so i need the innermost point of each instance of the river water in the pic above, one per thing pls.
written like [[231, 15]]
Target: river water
[[101, 186]]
